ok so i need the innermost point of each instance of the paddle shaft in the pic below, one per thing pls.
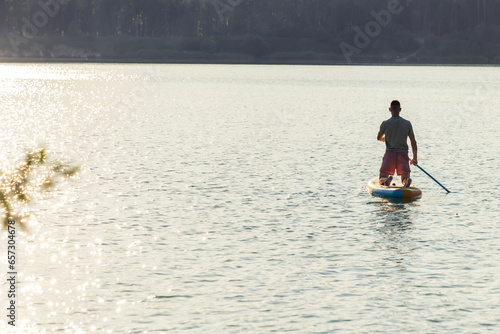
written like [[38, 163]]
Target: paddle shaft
[[429, 175]]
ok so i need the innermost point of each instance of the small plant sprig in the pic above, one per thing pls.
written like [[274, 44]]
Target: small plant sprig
[[31, 179]]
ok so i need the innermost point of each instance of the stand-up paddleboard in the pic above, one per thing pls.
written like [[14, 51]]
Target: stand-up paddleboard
[[395, 190]]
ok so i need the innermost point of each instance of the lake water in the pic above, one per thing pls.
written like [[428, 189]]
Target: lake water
[[230, 199]]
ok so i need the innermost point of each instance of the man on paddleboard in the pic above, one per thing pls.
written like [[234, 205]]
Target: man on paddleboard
[[395, 132]]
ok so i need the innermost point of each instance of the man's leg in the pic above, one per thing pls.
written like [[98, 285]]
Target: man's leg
[[385, 179], [405, 180], [387, 169], [404, 168]]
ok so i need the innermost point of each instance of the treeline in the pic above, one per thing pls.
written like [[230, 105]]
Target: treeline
[[435, 28], [285, 18]]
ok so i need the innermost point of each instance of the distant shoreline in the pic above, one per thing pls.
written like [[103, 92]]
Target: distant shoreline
[[10, 60], [245, 49]]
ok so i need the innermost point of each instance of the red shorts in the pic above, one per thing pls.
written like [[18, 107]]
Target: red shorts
[[398, 161]]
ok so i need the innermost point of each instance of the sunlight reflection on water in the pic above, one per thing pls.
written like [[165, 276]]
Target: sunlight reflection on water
[[231, 199]]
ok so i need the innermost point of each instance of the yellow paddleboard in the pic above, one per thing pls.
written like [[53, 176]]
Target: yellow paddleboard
[[395, 190]]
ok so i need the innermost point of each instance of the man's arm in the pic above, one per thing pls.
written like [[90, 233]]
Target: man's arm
[[413, 149], [381, 131], [380, 137]]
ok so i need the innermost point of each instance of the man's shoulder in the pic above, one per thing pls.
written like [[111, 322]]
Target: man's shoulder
[[406, 121], [393, 120]]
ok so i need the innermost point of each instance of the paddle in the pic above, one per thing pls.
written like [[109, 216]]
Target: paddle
[[432, 178]]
